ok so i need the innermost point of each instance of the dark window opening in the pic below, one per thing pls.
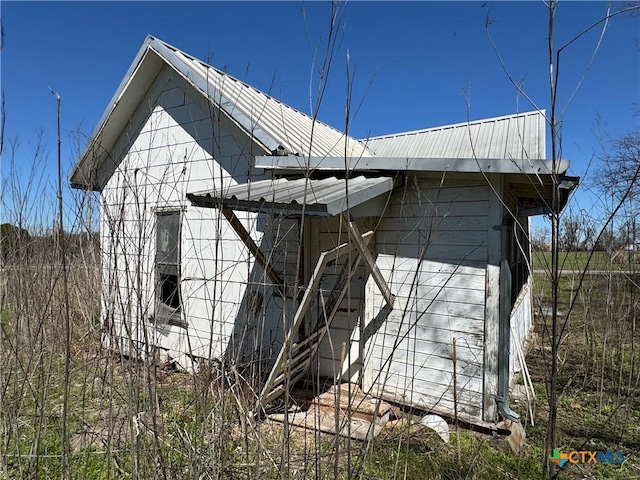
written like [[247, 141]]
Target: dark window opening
[[168, 297], [169, 291]]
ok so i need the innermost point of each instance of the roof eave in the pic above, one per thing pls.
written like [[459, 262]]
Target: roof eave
[[83, 175], [402, 164], [201, 84]]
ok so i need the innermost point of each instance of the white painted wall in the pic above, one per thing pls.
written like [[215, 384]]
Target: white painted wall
[[432, 251], [431, 248], [177, 145]]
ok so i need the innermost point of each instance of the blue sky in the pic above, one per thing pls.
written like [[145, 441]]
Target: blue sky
[[416, 64]]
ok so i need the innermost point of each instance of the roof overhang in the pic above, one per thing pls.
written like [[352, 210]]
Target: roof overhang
[[325, 197], [535, 193], [401, 164], [145, 68], [139, 77], [269, 123]]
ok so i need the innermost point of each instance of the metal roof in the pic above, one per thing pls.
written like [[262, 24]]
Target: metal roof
[[318, 197], [270, 122], [519, 136]]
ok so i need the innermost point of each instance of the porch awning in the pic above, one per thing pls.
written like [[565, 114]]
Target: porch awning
[[325, 197]]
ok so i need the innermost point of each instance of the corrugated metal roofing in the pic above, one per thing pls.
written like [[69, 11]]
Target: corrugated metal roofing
[[519, 136], [274, 124], [320, 197], [269, 120]]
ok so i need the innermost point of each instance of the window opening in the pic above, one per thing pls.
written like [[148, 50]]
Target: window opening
[[168, 298]]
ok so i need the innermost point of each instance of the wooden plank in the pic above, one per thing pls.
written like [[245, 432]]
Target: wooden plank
[[429, 382], [410, 264], [411, 211], [291, 373], [426, 397], [278, 367], [279, 371], [334, 302], [316, 419], [445, 223], [391, 244], [306, 340], [365, 253], [428, 339], [417, 291], [462, 237], [273, 394], [253, 248]]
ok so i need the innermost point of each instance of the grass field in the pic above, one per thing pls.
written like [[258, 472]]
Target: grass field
[[577, 261], [599, 378], [131, 419]]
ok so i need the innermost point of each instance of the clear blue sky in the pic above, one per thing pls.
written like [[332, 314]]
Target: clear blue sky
[[415, 64]]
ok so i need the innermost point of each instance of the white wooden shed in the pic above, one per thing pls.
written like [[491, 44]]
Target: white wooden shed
[[236, 227]]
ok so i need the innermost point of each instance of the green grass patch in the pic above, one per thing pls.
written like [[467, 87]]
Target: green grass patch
[[577, 261], [418, 453]]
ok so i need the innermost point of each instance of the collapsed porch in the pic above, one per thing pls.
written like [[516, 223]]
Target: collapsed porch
[[311, 199]]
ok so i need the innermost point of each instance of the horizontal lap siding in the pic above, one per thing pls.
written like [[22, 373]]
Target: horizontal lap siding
[[281, 245], [432, 251], [171, 153]]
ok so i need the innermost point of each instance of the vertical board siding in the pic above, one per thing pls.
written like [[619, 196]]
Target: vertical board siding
[[175, 146], [432, 251], [521, 319]]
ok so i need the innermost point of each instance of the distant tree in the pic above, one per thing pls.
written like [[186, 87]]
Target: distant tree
[[12, 240], [618, 178], [569, 234], [619, 174], [576, 233], [540, 241], [629, 234], [607, 242]]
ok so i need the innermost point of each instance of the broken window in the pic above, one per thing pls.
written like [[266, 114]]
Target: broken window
[[168, 299]]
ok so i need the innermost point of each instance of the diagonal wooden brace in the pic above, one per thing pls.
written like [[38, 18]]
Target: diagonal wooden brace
[[363, 250], [253, 248]]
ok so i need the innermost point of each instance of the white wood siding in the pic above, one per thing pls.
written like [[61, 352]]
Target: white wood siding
[[174, 146], [432, 251]]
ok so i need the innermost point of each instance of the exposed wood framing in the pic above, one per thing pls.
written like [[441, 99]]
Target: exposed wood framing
[[294, 360]]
